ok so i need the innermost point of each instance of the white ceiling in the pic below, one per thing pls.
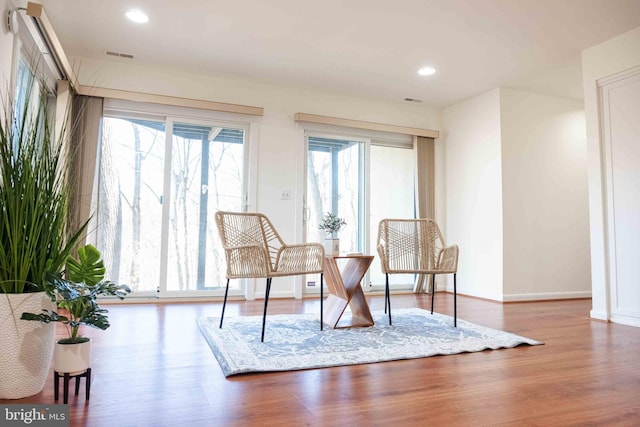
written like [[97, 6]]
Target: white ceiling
[[368, 48]]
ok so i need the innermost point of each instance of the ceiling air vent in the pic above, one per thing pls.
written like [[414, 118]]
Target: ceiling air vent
[[412, 100], [119, 55]]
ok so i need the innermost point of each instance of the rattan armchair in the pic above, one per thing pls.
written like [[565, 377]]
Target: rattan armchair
[[254, 249], [416, 246]]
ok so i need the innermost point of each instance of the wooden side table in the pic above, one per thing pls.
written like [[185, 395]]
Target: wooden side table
[[345, 290]]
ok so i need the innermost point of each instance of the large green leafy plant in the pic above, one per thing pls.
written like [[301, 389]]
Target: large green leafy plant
[[36, 236], [77, 293]]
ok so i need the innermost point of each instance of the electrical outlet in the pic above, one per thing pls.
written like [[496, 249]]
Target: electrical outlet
[[286, 195]]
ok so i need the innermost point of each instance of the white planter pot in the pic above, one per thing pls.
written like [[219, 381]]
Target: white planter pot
[[331, 246], [26, 345], [72, 358]]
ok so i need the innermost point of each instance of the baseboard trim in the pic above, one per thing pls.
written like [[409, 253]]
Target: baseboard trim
[[546, 296], [625, 320], [599, 315]]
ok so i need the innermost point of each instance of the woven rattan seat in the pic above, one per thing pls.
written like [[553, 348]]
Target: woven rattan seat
[[254, 249], [416, 246]]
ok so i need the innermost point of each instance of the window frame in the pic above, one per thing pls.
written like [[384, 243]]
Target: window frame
[[29, 46]]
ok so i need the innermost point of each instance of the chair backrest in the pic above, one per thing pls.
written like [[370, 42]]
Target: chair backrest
[[409, 245], [242, 228]]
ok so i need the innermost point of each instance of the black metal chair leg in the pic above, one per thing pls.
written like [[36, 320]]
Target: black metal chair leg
[[455, 302], [386, 285], [266, 302], [224, 304], [321, 300], [433, 290], [387, 298]]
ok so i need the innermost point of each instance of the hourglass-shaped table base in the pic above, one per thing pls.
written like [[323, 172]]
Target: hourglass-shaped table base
[[345, 290]]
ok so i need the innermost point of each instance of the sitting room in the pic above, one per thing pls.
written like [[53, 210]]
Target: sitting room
[[340, 213]]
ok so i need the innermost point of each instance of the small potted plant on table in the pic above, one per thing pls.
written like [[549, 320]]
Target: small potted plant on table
[[331, 224]]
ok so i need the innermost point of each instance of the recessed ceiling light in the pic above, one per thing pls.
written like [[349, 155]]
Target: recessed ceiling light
[[426, 71], [137, 16]]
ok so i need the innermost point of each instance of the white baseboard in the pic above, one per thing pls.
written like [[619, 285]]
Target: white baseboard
[[625, 320], [599, 314], [280, 294], [546, 296]]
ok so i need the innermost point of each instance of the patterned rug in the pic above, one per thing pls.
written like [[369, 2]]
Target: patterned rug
[[294, 342]]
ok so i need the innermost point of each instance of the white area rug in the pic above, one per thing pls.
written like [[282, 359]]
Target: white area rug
[[294, 342]]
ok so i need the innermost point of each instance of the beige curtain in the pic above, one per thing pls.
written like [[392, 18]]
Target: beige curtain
[[87, 119], [425, 191]]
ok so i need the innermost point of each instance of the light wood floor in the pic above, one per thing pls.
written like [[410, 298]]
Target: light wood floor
[[153, 368]]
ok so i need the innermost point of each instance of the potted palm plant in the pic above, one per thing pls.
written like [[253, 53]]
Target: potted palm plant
[[35, 236], [76, 292], [331, 224]]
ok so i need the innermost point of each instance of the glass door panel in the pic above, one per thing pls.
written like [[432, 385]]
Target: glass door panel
[[335, 169], [390, 198], [206, 176], [129, 210]]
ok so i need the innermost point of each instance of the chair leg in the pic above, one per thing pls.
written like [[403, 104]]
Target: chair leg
[[386, 285], [224, 304], [455, 302], [266, 301], [321, 300], [387, 297], [433, 290]]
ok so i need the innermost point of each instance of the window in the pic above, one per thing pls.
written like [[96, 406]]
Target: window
[[363, 180], [31, 68], [334, 184], [161, 180], [29, 94], [26, 87]]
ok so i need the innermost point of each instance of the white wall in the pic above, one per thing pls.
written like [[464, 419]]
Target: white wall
[[473, 182], [281, 141], [545, 197], [516, 195], [6, 49], [607, 59]]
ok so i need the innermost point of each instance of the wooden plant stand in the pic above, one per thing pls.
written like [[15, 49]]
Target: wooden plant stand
[[66, 377]]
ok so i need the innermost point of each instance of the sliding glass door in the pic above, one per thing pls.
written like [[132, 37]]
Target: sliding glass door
[[363, 181], [161, 180]]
